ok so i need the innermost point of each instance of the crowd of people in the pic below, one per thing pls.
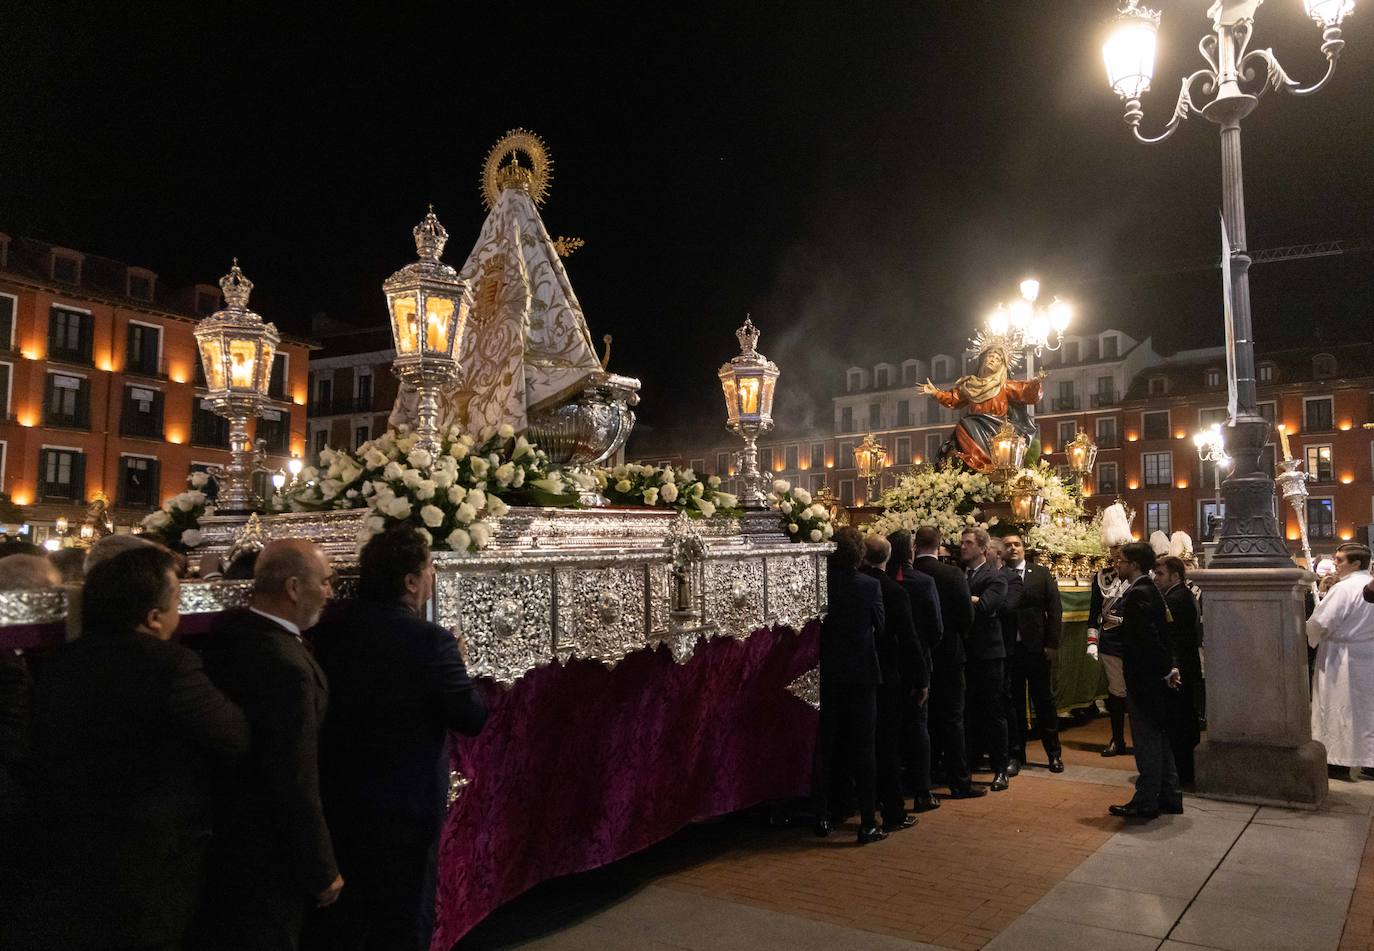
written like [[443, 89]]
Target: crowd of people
[[930, 663], [278, 783]]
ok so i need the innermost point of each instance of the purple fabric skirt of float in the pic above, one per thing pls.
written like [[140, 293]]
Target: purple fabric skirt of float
[[580, 765]]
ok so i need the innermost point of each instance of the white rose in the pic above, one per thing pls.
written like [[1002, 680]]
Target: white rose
[[392, 472], [480, 533], [816, 534], [793, 528], [456, 494], [519, 479], [425, 489], [458, 451], [714, 482], [424, 533], [190, 538], [466, 513], [726, 500], [330, 488], [505, 431], [442, 478], [785, 508], [406, 443], [420, 458], [374, 458], [623, 485], [199, 480], [396, 507], [412, 478], [781, 486], [459, 540], [802, 496], [432, 515], [496, 507], [651, 496], [478, 498], [480, 467], [375, 523], [827, 530], [505, 473], [668, 493]]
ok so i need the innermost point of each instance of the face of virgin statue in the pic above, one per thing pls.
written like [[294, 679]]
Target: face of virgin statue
[[993, 361]]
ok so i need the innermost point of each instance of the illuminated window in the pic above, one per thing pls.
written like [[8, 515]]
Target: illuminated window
[[1156, 517], [1266, 372], [1207, 511], [1319, 463]]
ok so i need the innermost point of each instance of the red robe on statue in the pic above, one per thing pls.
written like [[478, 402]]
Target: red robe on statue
[[972, 436]]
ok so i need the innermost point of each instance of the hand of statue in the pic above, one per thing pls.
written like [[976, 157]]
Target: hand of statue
[[1041, 373], [929, 387]]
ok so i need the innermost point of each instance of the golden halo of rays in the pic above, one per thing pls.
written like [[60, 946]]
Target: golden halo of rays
[[538, 164]]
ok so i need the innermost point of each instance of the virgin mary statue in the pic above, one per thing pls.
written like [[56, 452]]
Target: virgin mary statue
[[992, 399]]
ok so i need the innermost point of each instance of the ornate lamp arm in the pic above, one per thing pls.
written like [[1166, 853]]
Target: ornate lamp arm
[[1182, 109], [1277, 78]]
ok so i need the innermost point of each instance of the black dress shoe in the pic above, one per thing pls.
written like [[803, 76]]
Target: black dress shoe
[[967, 792], [1131, 811], [1174, 808], [925, 802], [823, 827], [1113, 748], [1056, 763], [1338, 772], [1000, 782], [1013, 767], [906, 822], [871, 834]]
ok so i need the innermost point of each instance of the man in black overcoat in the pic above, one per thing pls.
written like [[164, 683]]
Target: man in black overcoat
[[902, 663], [850, 676], [925, 615], [397, 686], [125, 730], [986, 652], [1171, 578], [273, 855], [947, 749], [1031, 636], [1151, 677]]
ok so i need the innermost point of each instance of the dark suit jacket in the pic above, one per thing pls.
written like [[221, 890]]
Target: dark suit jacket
[[925, 610], [125, 730], [900, 655], [1038, 617], [15, 687], [989, 586], [849, 652], [1007, 616], [272, 824], [397, 686], [1183, 632], [1147, 654], [956, 610]]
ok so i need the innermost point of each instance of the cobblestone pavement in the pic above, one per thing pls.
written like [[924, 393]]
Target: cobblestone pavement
[[1041, 865]]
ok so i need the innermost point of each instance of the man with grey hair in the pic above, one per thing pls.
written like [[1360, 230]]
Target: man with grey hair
[[273, 852]]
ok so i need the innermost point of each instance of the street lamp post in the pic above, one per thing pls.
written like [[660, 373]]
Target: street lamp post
[[1250, 534]]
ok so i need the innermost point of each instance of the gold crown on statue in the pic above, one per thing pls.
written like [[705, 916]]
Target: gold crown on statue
[[985, 340]]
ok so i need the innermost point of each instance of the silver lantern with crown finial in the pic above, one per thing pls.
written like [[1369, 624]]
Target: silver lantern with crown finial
[[429, 306], [748, 381], [236, 349]]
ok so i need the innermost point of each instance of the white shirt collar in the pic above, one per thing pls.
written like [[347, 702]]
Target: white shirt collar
[[294, 629]]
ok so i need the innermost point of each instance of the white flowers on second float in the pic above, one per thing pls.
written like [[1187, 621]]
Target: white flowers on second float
[[802, 518]]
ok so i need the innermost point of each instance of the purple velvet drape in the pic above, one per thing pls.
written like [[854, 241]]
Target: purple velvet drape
[[580, 765]]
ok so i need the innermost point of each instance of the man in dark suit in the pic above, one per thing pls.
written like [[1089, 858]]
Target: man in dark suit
[[125, 730], [849, 679], [1031, 635], [1171, 578], [397, 686], [925, 615], [947, 677], [274, 853], [903, 667], [984, 669], [1147, 659]]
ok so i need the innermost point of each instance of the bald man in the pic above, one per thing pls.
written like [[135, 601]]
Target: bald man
[[272, 854]]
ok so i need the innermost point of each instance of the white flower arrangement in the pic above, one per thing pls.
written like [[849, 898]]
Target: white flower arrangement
[[802, 518], [449, 495], [665, 487], [177, 523], [1066, 536], [948, 498]]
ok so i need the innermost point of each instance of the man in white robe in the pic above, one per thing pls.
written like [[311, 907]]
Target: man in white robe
[[1342, 630]]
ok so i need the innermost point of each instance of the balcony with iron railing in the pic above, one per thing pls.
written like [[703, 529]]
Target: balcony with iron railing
[[1105, 399], [342, 406], [1065, 403]]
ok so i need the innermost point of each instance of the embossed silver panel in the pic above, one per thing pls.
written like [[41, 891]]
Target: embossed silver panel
[[601, 611], [734, 595], [791, 589]]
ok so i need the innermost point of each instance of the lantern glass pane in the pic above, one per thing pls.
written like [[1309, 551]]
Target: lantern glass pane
[[243, 360], [438, 323], [727, 386], [1130, 57], [768, 383], [749, 392], [266, 361], [405, 323], [212, 359]]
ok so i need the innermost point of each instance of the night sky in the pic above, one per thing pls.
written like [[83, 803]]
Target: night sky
[[867, 179]]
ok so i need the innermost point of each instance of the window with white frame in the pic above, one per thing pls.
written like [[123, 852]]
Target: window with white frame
[[880, 378], [1321, 518], [766, 459], [1266, 372], [698, 465], [846, 419], [143, 349], [855, 382], [8, 305], [818, 455], [933, 443], [847, 491], [1156, 517], [1108, 480], [941, 369], [1067, 431], [1158, 385], [362, 388], [1105, 434], [1318, 414], [1210, 512], [903, 450], [1158, 468], [6, 390], [1110, 347], [4, 461], [723, 464], [1214, 415], [790, 459], [1212, 377], [1320, 464]]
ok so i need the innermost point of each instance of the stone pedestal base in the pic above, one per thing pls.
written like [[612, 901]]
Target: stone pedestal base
[[1259, 745]]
